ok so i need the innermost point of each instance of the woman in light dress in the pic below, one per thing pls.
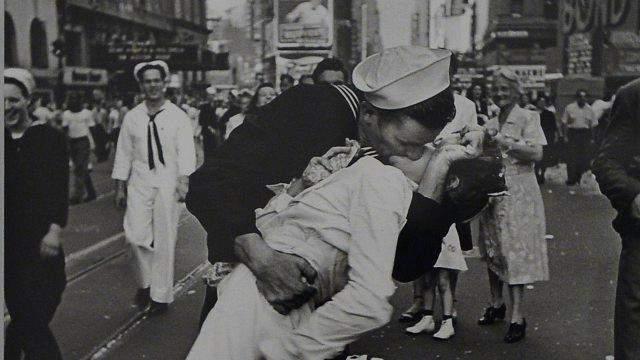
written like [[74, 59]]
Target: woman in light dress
[[512, 228]]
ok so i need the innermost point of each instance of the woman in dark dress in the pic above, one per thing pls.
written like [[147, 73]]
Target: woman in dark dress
[[550, 129]]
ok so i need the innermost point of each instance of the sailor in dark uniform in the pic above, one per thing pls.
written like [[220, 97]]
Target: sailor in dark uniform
[[36, 203], [275, 146]]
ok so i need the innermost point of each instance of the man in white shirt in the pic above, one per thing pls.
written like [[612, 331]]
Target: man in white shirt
[[579, 122], [154, 157]]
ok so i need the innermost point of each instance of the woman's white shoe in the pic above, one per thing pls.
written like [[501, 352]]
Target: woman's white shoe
[[446, 330], [426, 324]]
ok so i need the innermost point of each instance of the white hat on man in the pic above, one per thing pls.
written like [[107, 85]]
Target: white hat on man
[[402, 76]]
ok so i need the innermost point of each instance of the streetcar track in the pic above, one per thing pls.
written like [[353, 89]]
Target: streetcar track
[[76, 256], [117, 337]]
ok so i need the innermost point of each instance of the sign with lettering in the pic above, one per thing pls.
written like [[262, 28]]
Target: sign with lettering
[[304, 24], [584, 15], [81, 76], [117, 56], [531, 76]]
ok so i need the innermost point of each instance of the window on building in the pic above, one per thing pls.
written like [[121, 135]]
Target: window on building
[[39, 45], [10, 55], [517, 7]]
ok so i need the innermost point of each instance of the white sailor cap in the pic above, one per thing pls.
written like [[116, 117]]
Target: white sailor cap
[[24, 79], [212, 90], [156, 64], [402, 76]]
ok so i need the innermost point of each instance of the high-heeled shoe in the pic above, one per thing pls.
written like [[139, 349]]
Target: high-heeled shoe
[[516, 332], [492, 314]]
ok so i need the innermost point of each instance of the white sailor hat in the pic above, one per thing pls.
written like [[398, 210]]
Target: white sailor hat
[[402, 76], [211, 90], [24, 79], [156, 64]]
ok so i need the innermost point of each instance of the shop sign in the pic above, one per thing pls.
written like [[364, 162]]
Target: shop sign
[[584, 15], [81, 76], [304, 24], [510, 34], [531, 76], [127, 54]]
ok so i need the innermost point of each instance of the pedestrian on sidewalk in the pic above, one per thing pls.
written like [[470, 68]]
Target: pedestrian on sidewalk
[[77, 123], [616, 167], [155, 156], [579, 122], [209, 122], [36, 204], [512, 229], [549, 126]]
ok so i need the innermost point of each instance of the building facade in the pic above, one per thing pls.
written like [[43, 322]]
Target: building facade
[[29, 28], [100, 40], [116, 34], [601, 41]]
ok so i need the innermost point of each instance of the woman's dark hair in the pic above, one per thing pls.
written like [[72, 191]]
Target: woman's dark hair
[[483, 91], [253, 105], [331, 64], [74, 102], [433, 113]]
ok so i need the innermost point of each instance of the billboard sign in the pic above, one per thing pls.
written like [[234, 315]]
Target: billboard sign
[[304, 23]]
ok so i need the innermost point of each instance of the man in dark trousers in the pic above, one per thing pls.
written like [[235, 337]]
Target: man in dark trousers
[[36, 203], [617, 169], [208, 120]]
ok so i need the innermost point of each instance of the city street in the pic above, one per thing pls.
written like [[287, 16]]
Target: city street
[[569, 317]]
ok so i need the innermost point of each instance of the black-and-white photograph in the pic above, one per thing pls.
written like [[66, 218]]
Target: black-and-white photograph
[[321, 180]]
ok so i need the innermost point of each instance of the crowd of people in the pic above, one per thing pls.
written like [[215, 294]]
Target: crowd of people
[[307, 231]]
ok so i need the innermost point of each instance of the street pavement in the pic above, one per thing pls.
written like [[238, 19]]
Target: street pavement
[[569, 317]]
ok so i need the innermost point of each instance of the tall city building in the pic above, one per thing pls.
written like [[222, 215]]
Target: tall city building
[[98, 41], [601, 42]]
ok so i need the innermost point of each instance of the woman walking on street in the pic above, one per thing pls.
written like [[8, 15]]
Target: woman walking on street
[[512, 229]]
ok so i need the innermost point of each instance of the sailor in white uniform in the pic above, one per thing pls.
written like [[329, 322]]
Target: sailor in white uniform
[[154, 157]]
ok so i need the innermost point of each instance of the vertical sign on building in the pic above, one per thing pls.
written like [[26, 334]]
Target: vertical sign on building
[[304, 23]]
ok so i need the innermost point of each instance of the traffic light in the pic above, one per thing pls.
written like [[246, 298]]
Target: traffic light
[[58, 47]]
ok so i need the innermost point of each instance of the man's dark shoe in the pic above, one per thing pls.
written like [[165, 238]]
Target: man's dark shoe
[[516, 332], [143, 298], [157, 308], [492, 314]]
